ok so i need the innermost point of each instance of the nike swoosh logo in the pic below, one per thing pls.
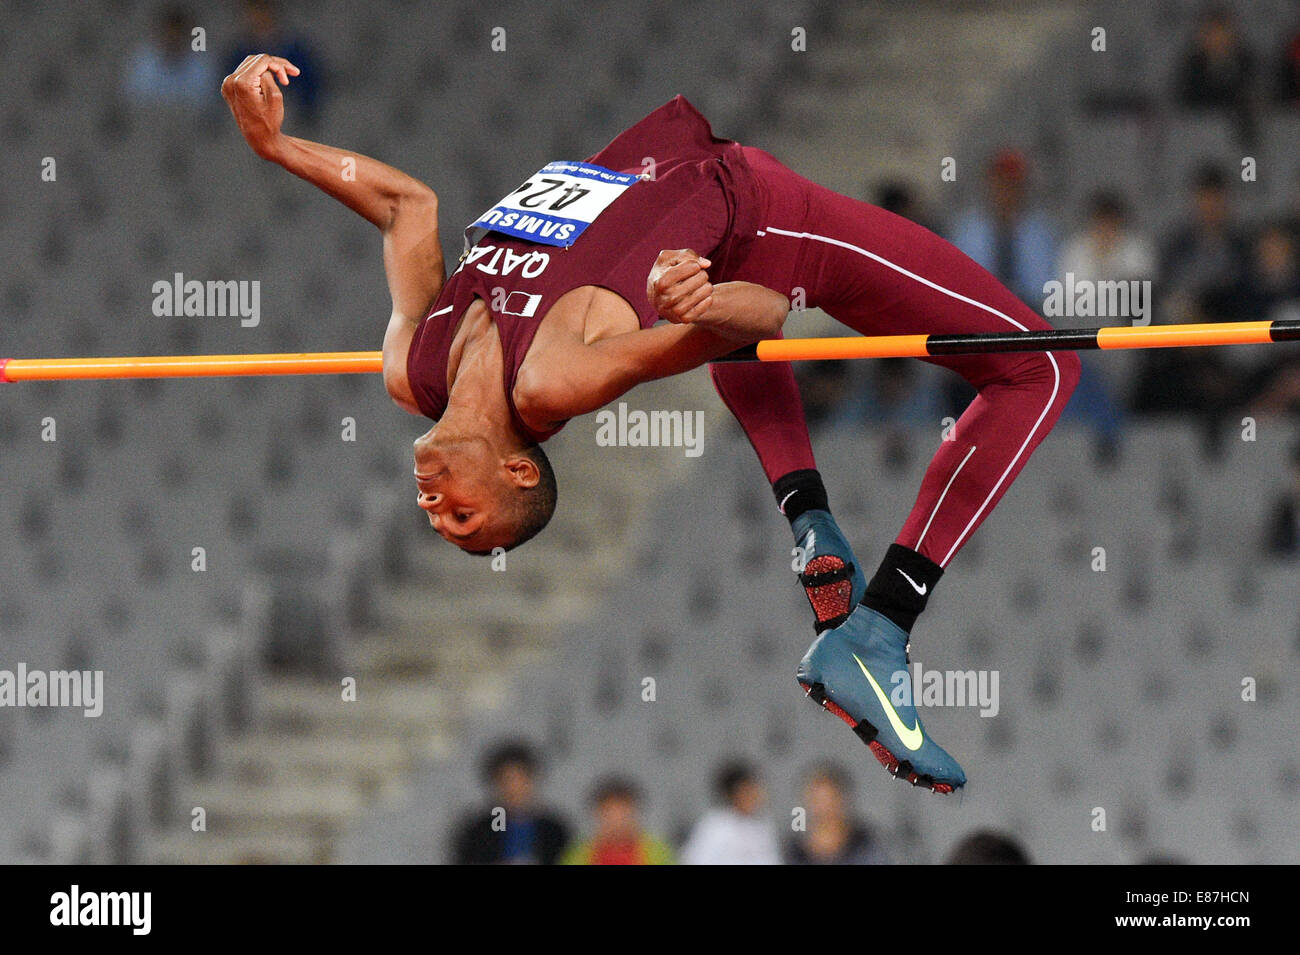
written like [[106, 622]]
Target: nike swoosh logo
[[919, 588], [781, 507], [912, 738]]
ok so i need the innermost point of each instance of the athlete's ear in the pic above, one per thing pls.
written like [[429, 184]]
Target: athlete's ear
[[523, 472]]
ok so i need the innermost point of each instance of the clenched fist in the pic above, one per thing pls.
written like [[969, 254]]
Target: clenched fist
[[678, 286], [256, 102]]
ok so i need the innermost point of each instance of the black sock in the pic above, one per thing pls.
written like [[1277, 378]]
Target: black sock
[[800, 491], [902, 585]]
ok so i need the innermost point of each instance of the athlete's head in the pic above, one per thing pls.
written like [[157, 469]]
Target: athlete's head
[[482, 494]]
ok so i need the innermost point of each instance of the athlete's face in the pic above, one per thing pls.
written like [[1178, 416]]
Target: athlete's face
[[464, 488]]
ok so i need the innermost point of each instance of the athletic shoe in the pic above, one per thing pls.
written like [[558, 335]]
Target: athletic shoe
[[831, 577], [851, 672]]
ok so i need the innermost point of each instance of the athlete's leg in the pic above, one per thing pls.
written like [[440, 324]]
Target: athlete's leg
[[765, 400], [881, 274]]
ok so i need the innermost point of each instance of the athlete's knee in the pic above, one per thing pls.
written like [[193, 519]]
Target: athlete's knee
[[1070, 368], [1053, 375]]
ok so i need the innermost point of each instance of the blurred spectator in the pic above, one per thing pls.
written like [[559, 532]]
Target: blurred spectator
[[1281, 392], [1282, 532], [261, 31], [1291, 218], [1272, 280], [826, 389], [833, 836], [734, 833], [1106, 249], [1202, 274], [525, 833], [619, 838], [1216, 71], [902, 199], [1205, 260], [1287, 89], [1270, 376], [164, 69], [1013, 241], [988, 847], [896, 394], [899, 396]]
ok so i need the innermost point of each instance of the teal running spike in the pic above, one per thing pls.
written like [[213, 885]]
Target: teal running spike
[[852, 671]]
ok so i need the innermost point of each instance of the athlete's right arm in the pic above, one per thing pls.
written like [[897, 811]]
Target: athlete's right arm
[[679, 288], [404, 209]]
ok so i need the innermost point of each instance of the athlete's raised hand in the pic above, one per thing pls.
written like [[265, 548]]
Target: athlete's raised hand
[[678, 286], [256, 101]]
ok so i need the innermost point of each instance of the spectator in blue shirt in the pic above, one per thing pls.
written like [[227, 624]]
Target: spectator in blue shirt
[[167, 70], [262, 32], [1008, 237]]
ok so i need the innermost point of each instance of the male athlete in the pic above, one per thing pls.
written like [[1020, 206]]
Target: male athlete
[[552, 313]]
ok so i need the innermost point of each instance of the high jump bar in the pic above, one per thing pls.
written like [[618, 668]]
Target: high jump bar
[[1112, 338]]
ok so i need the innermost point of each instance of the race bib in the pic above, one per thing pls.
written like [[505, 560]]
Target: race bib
[[554, 206]]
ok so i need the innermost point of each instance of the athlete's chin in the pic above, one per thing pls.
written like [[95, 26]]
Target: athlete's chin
[[476, 548]]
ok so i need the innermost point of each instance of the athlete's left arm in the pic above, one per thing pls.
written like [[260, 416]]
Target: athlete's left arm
[[404, 209], [565, 376]]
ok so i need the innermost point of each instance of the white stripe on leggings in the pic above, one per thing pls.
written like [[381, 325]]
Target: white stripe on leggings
[[941, 497], [1056, 369]]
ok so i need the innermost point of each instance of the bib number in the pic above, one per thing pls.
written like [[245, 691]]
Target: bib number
[[554, 206]]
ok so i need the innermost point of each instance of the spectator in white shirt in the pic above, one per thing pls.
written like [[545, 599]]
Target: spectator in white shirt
[[735, 832], [1105, 249]]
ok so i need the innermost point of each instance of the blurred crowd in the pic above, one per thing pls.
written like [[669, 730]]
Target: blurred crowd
[[172, 65], [516, 826]]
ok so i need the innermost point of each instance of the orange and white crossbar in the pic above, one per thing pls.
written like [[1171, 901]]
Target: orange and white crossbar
[[777, 349]]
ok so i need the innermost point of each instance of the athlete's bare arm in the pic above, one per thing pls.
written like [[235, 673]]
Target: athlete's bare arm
[[404, 209], [569, 372]]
